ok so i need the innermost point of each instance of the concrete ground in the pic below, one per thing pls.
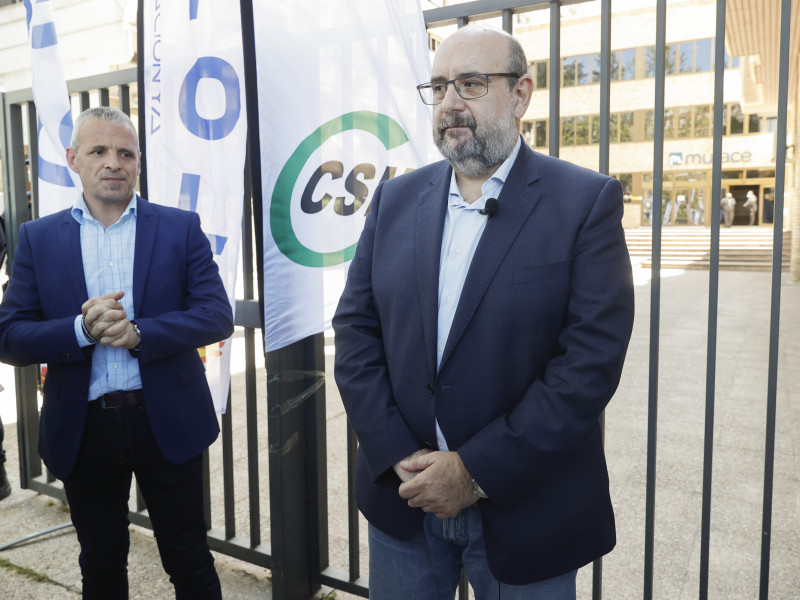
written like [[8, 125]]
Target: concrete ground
[[46, 568]]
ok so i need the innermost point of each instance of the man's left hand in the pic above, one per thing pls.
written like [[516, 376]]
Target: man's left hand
[[442, 486]]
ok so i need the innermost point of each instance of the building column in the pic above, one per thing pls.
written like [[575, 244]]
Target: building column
[[794, 195]]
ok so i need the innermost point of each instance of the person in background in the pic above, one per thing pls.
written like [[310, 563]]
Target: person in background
[[481, 333], [5, 485], [728, 205], [751, 204], [116, 294]]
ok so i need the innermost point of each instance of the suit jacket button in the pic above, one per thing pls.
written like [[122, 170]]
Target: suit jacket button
[[430, 389]]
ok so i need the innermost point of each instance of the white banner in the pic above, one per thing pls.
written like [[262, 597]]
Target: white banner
[[196, 130], [339, 112], [58, 184]]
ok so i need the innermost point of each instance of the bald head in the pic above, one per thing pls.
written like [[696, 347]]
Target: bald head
[[496, 40]]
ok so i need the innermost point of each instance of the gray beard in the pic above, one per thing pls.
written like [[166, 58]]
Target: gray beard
[[487, 147]]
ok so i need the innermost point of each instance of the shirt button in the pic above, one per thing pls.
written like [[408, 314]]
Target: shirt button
[[458, 250], [449, 298], [110, 264]]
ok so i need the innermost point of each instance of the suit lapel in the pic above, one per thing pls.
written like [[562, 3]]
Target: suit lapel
[[70, 237], [431, 209], [146, 222], [516, 203]]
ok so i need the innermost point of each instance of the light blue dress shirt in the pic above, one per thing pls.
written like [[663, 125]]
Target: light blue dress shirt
[[463, 227], [108, 267]]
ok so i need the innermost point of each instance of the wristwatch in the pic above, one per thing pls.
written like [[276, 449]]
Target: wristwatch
[[135, 351], [478, 490]]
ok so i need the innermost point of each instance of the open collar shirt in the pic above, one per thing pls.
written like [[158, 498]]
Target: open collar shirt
[[463, 227], [107, 254]]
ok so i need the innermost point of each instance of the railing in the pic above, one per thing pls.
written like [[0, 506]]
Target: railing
[[292, 503]]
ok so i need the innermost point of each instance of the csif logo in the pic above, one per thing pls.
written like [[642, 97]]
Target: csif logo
[[319, 193]]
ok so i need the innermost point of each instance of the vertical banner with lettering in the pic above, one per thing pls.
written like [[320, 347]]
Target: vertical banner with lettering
[[58, 184], [339, 113], [196, 129]]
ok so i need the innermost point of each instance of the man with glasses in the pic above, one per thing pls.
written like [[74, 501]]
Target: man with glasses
[[481, 334]]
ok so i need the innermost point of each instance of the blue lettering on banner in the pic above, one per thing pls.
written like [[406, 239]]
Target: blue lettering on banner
[[210, 67], [155, 97], [52, 172], [193, 9], [187, 200], [43, 36]]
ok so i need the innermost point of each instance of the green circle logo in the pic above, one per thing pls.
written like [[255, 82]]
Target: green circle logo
[[386, 129]]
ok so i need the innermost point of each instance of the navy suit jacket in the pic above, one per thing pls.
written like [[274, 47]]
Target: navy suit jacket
[[179, 302], [534, 354]]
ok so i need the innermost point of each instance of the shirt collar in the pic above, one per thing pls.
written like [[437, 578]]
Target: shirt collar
[[80, 212], [491, 187]]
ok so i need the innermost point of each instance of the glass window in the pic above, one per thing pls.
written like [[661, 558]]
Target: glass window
[[527, 132], [596, 68], [649, 124], [686, 57], [670, 64], [702, 56], [615, 66], [613, 128], [627, 64], [684, 122], [753, 123], [567, 131], [737, 119], [650, 62], [595, 129], [702, 121], [626, 179], [581, 130], [568, 71], [669, 123], [541, 75], [583, 67], [771, 124], [626, 127], [541, 133], [731, 63]]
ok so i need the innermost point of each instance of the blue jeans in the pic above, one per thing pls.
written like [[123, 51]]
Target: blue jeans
[[428, 567]]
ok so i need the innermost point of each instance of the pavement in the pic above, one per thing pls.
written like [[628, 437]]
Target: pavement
[[46, 567]]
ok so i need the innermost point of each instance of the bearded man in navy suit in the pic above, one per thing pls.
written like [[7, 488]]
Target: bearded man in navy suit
[[481, 333], [115, 295]]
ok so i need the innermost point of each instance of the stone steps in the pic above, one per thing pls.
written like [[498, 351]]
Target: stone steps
[[741, 248]]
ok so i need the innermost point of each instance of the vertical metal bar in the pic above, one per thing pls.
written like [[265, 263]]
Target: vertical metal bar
[[84, 96], [352, 509], [655, 297], [33, 161], [141, 97], [508, 21], [713, 299], [105, 97], [605, 85], [555, 76], [124, 92], [603, 167], [777, 255], [251, 389], [228, 494], [462, 22]]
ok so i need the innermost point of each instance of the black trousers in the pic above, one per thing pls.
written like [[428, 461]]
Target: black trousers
[[116, 443]]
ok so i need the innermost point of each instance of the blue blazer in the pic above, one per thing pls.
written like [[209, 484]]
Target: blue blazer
[[179, 302], [534, 354]]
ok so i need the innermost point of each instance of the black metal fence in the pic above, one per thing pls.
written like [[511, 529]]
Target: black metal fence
[[293, 503]]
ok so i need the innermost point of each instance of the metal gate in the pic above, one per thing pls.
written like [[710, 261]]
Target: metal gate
[[292, 502]]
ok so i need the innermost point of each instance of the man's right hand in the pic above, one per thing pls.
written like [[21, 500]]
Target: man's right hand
[[103, 312]]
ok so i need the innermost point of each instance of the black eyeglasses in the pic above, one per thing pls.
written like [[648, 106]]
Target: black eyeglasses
[[468, 87]]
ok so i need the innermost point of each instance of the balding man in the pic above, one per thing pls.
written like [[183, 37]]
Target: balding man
[[481, 334]]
